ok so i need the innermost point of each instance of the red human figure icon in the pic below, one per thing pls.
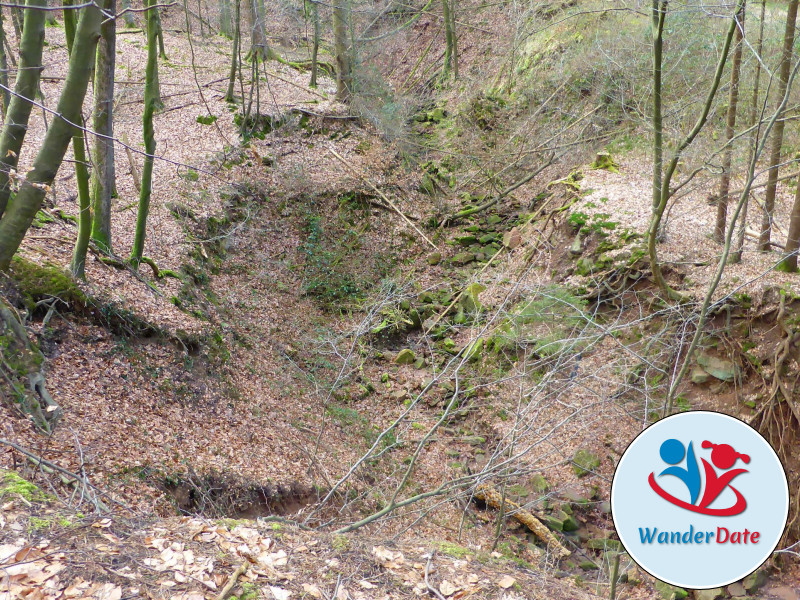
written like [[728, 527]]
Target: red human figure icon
[[724, 457]]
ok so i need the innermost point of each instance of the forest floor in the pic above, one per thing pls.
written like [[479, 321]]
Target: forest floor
[[246, 390]]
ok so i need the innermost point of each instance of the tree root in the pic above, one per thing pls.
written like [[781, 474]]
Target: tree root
[[124, 265], [494, 499]]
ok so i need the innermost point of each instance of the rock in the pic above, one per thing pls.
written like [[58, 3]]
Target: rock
[[604, 160], [561, 521], [604, 544], [463, 258], [512, 239], [493, 219], [577, 246], [487, 239], [605, 507], [720, 368], [466, 240], [584, 462], [670, 592], [474, 350], [783, 592], [469, 299], [737, 589], [539, 484], [575, 496], [434, 258], [452, 453], [405, 357], [709, 594], [588, 565], [754, 581], [699, 375], [419, 363], [474, 440], [584, 266]]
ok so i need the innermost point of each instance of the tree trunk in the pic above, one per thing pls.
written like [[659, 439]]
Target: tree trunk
[[736, 254], [28, 201], [344, 73], [130, 22], [6, 96], [150, 101], [229, 95], [103, 175], [19, 109], [730, 129], [78, 263], [50, 17], [789, 262], [16, 19], [777, 140], [662, 179], [315, 46], [450, 50], [225, 25], [259, 46]]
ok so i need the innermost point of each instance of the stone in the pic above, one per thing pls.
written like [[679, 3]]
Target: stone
[[574, 495], [493, 219], [588, 565], [604, 544], [469, 299], [712, 594], [699, 375], [434, 258], [783, 593], [584, 462], [720, 368], [487, 239], [670, 592], [539, 484], [405, 357], [466, 240], [737, 589], [474, 440], [512, 239], [605, 507], [754, 581], [577, 246], [463, 258], [419, 363]]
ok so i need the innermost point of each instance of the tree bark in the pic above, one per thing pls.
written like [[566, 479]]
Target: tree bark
[[50, 16], [19, 108], [259, 46], [6, 96], [736, 254], [225, 24], [315, 44], [78, 263], [730, 129], [777, 140], [130, 22], [344, 72], [450, 50], [150, 102], [28, 201], [229, 95], [103, 175]]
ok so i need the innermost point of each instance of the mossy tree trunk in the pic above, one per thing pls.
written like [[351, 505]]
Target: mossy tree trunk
[[342, 50], [20, 213], [730, 130], [259, 46], [450, 50], [103, 175], [738, 248], [229, 95], [130, 22], [150, 103], [777, 136], [6, 96], [225, 18], [50, 17], [662, 177], [19, 109], [315, 42], [78, 263]]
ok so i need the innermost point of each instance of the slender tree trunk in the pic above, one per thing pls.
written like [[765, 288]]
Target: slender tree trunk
[[103, 175], [19, 108], [730, 130], [344, 67], [200, 18], [315, 45], [150, 102], [162, 51], [50, 17], [777, 139], [450, 49], [662, 194], [28, 201], [259, 46], [455, 37], [736, 254], [130, 22], [6, 96], [229, 95], [78, 263], [225, 25], [789, 262], [16, 19]]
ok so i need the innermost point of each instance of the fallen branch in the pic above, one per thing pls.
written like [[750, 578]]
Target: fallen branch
[[137, 179], [382, 195], [232, 581], [431, 589], [493, 498]]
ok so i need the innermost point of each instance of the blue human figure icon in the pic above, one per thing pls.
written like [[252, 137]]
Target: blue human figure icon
[[672, 453]]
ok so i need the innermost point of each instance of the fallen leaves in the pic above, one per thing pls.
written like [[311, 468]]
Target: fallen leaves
[[506, 582]]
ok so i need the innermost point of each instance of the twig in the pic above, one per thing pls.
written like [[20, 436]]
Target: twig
[[232, 581], [137, 180], [382, 195], [431, 589]]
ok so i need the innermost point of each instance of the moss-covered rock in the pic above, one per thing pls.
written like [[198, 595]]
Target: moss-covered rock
[[405, 357], [584, 462]]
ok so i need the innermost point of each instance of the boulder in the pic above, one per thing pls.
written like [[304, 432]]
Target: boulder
[[720, 368], [699, 375], [754, 581], [405, 357], [713, 594], [584, 462], [434, 258], [463, 258], [670, 592]]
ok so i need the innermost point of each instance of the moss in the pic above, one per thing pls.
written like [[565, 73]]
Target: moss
[[453, 550], [340, 543], [37, 282], [13, 486]]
